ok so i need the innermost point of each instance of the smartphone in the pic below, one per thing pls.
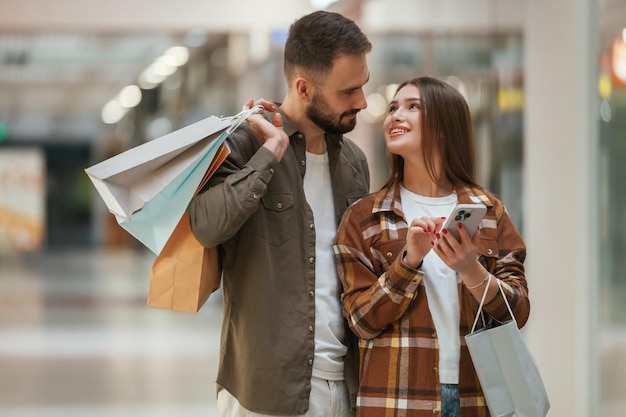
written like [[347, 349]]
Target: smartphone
[[469, 215]]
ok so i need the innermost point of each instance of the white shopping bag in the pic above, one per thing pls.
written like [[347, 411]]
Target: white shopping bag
[[148, 187], [506, 369]]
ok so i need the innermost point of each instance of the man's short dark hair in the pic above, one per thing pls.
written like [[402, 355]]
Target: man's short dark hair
[[317, 39]]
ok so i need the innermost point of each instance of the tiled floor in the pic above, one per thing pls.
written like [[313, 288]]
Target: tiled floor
[[76, 339]]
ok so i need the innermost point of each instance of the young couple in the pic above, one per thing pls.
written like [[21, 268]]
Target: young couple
[[336, 300]]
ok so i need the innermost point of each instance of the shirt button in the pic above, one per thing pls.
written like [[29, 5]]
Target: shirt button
[[303, 163], [311, 260], [310, 361], [435, 369], [489, 251], [279, 205], [435, 411], [299, 135], [434, 333], [255, 195], [389, 254], [311, 329], [271, 170], [311, 294], [311, 226]]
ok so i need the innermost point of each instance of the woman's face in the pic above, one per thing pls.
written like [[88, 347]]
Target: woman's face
[[402, 126]]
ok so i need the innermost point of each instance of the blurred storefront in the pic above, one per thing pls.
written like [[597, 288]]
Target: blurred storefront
[[22, 200], [611, 210]]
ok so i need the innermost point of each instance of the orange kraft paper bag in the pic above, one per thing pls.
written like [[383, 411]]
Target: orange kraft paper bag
[[185, 273]]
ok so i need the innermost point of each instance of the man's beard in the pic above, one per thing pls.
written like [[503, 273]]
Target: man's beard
[[327, 121]]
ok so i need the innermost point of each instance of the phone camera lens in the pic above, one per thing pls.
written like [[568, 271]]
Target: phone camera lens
[[462, 215]]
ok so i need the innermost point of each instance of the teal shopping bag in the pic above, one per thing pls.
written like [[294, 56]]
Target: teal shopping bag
[[153, 224]]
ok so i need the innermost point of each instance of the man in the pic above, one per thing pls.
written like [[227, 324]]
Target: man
[[273, 208]]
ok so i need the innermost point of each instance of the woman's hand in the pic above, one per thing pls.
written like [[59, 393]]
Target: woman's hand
[[461, 255], [271, 134], [419, 239]]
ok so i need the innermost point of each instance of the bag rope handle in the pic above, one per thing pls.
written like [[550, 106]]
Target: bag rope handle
[[482, 302], [240, 117]]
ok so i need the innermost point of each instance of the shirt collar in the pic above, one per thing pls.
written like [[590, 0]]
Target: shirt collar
[[290, 129], [388, 199]]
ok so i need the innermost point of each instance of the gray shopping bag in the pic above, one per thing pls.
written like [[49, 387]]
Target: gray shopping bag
[[506, 369]]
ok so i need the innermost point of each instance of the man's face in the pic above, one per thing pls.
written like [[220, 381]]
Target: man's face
[[335, 104]]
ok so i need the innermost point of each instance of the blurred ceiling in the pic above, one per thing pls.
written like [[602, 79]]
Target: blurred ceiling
[[53, 85], [62, 60]]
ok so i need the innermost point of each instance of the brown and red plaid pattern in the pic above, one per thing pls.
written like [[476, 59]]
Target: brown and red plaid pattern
[[385, 303]]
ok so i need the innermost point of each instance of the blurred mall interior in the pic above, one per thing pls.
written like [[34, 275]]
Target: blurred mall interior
[[81, 81]]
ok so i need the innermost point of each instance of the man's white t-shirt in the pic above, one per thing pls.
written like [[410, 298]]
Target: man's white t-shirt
[[330, 347]]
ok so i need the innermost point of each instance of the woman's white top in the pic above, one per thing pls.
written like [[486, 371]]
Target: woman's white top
[[441, 284]]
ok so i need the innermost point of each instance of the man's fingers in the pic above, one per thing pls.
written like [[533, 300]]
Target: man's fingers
[[266, 104], [277, 120], [248, 105]]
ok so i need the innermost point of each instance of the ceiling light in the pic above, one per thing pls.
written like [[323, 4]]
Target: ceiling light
[[130, 96], [376, 108], [112, 112], [178, 55], [390, 91], [148, 79], [161, 67], [321, 4]]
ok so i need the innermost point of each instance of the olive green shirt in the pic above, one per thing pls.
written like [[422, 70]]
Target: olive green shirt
[[255, 209]]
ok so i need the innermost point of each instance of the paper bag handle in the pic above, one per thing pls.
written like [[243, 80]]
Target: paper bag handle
[[240, 117], [482, 302]]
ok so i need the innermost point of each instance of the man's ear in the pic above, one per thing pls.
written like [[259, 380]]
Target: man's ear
[[304, 88]]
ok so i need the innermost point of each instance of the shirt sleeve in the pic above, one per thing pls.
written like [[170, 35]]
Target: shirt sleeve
[[372, 297], [234, 192], [509, 268]]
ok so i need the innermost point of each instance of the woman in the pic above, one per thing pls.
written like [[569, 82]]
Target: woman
[[410, 287]]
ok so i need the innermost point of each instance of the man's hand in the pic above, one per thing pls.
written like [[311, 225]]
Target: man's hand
[[271, 134]]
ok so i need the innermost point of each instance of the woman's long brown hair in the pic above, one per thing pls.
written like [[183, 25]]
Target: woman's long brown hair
[[446, 130]]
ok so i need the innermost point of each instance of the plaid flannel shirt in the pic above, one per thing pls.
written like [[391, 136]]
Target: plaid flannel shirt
[[385, 303]]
